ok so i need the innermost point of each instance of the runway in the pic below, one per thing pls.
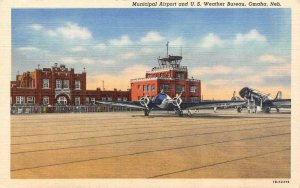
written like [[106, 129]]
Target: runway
[[129, 145]]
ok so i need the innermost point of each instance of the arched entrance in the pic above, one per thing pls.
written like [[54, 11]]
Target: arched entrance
[[62, 100]]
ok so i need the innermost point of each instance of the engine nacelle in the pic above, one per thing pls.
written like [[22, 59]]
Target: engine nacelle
[[144, 101]]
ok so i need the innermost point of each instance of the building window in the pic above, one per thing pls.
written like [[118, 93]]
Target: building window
[[145, 88], [165, 87], [124, 98], [77, 101], [45, 100], [93, 100], [62, 100], [180, 75], [179, 88], [193, 89], [194, 99], [119, 99], [109, 99], [87, 100], [66, 84], [139, 87], [45, 83], [77, 84], [58, 84], [153, 87], [149, 88], [20, 99], [30, 100], [103, 99]]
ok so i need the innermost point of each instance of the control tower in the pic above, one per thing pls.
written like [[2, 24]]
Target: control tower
[[169, 76]]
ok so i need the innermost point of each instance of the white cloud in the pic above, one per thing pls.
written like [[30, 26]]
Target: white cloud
[[124, 40], [126, 56], [147, 50], [177, 42], [269, 58], [36, 27], [279, 70], [220, 70], [87, 61], [214, 70], [107, 61], [251, 36], [271, 72], [152, 36], [68, 60], [100, 46], [212, 40], [71, 31], [28, 48], [78, 49]]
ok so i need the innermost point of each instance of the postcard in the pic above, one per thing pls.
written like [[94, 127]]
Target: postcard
[[149, 93]]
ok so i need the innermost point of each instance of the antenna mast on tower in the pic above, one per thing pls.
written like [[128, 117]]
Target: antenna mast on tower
[[167, 48], [181, 51]]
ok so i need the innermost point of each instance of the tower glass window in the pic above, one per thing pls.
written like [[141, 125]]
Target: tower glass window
[[193, 89]]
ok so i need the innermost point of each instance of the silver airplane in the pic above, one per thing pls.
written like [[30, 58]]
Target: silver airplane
[[263, 102], [164, 101]]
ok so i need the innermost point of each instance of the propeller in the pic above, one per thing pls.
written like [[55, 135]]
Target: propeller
[[144, 101], [177, 100]]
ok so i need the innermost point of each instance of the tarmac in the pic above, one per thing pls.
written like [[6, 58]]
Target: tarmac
[[225, 144]]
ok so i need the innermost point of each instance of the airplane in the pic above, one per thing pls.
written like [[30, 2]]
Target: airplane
[[164, 101], [263, 102]]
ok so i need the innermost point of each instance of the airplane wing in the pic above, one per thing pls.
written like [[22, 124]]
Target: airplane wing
[[279, 103], [121, 104], [212, 104]]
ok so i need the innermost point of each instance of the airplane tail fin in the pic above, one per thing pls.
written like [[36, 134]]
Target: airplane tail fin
[[234, 97], [279, 95]]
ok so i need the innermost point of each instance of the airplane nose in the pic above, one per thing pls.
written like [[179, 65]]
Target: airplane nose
[[243, 92]]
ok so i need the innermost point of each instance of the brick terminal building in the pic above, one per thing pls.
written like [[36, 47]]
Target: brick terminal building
[[170, 77], [59, 85]]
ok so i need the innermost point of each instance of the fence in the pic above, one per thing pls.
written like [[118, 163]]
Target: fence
[[67, 109]]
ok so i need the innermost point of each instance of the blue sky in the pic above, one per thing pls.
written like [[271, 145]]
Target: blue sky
[[225, 48]]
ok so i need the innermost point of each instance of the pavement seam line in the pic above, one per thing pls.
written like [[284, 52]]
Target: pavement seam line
[[152, 151], [214, 164]]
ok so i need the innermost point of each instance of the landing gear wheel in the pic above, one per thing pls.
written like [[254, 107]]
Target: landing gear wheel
[[180, 113], [239, 109], [277, 109], [268, 110], [146, 112]]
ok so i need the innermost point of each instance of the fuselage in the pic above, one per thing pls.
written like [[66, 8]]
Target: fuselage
[[161, 101], [264, 100]]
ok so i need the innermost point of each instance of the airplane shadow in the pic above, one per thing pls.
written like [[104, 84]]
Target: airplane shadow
[[219, 116]]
